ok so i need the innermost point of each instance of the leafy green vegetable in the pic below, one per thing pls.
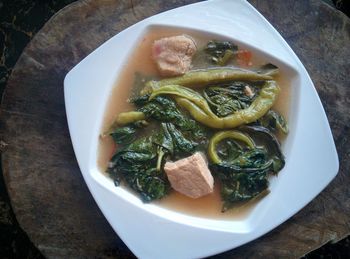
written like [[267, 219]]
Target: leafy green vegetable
[[199, 109], [228, 150], [161, 109], [238, 187], [164, 140], [270, 142], [229, 98], [274, 121], [184, 92], [220, 52], [182, 145], [252, 160], [137, 164], [140, 163], [164, 109], [244, 170], [222, 135], [242, 159], [175, 142], [126, 134]]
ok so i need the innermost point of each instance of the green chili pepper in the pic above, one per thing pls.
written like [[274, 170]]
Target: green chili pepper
[[199, 109], [184, 92], [201, 78], [233, 134]]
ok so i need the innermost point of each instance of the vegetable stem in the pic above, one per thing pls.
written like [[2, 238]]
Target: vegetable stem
[[233, 134], [161, 153], [227, 56]]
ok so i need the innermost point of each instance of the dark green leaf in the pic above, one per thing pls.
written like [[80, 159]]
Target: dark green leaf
[[228, 98], [164, 139], [244, 171], [164, 109], [269, 142], [274, 121], [229, 150], [123, 135], [137, 164], [182, 146], [127, 134], [240, 186], [220, 51]]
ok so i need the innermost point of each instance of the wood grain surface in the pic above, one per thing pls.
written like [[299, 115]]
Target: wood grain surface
[[47, 191]]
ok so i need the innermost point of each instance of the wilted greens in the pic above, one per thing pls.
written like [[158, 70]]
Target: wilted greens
[[227, 99], [242, 166], [220, 52], [139, 160]]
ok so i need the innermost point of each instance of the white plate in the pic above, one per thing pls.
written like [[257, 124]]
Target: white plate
[[153, 232]]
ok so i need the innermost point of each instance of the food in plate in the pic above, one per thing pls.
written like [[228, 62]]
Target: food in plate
[[201, 114]]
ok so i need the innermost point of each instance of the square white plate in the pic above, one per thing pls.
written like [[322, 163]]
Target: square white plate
[[154, 232]]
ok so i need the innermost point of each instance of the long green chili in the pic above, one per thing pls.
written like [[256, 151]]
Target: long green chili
[[184, 92], [200, 78], [199, 109]]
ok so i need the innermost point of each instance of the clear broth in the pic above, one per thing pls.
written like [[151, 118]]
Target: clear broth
[[140, 60]]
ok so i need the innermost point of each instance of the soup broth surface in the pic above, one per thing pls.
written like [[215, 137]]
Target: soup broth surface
[[140, 61]]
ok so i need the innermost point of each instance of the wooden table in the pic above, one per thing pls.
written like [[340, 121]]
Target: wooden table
[[48, 194]]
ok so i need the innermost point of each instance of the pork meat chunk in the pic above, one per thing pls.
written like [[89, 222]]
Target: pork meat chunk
[[173, 55], [190, 176]]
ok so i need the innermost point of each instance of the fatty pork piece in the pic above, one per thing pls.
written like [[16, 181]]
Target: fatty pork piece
[[173, 55], [190, 176]]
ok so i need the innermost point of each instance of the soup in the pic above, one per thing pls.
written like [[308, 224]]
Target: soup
[[223, 141]]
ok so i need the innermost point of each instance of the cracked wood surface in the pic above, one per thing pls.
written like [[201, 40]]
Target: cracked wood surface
[[47, 191]]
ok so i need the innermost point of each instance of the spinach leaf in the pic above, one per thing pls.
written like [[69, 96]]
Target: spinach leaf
[[160, 108], [165, 139], [164, 109], [137, 164], [243, 179], [274, 121], [244, 171], [220, 52], [125, 135], [229, 98], [240, 187], [174, 141], [229, 150], [270, 143], [251, 158], [140, 162], [182, 146], [140, 100]]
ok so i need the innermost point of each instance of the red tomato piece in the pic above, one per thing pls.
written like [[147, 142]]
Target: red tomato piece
[[244, 58]]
